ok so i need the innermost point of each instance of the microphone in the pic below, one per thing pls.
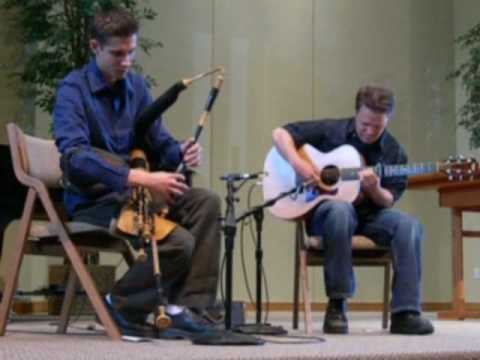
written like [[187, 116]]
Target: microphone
[[243, 176]]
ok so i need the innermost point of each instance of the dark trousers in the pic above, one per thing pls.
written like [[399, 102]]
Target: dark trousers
[[189, 255]]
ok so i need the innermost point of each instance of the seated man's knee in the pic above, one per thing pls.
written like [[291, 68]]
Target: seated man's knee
[[210, 201], [333, 217], [182, 242], [415, 227], [336, 209], [409, 229]]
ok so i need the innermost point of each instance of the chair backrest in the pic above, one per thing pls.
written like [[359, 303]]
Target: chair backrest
[[34, 157]]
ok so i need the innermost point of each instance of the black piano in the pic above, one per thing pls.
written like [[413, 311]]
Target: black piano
[[12, 193]]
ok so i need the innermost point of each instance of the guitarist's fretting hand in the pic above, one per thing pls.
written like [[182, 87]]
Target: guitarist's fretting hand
[[371, 187], [369, 180]]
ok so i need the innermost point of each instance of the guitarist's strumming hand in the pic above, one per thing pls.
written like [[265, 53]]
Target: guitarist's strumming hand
[[370, 185], [306, 171], [284, 143]]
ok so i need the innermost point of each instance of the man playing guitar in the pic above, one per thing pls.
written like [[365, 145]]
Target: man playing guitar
[[371, 214]]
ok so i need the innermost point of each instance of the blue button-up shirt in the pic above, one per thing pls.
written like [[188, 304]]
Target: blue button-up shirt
[[91, 113]]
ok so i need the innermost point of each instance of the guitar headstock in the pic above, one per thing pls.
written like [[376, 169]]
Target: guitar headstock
[[459, 168]]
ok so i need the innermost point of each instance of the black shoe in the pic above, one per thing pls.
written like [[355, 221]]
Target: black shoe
[[127, 327], [211, 318], [185, 321], [335, 321], [410, 323]]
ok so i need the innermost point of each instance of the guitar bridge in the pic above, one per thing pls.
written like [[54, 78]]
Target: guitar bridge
[[313, 192]]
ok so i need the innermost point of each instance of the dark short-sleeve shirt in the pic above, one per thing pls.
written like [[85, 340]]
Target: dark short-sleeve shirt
[[328, 134], [91, 113]]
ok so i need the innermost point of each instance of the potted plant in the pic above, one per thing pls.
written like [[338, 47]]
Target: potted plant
[[469, 74], [55, 34]]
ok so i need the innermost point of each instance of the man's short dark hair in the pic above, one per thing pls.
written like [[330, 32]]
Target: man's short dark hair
[[376, 98], [114, 22]]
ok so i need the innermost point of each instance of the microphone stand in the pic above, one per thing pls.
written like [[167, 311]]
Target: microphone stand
[[227, 336], [258, 214]]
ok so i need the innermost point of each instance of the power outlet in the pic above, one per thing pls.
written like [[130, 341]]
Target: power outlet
[[476, 273]]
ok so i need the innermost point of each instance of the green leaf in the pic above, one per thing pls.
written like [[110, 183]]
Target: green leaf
[[55, 34]]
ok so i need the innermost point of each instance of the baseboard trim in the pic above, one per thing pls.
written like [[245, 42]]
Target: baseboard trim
[[360, 306], [31, 307], [41, 307]]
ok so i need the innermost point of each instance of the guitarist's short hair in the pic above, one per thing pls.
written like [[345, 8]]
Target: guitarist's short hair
[[376, 98]]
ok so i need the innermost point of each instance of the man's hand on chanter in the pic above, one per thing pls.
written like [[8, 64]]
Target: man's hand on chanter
[[169, 185], [192, 152]]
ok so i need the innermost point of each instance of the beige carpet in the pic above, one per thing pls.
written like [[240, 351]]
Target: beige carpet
[[452, 340]]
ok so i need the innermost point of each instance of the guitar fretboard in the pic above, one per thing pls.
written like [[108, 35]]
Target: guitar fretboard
[[391, 170]]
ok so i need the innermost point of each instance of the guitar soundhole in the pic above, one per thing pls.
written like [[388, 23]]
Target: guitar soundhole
[[330, 175]]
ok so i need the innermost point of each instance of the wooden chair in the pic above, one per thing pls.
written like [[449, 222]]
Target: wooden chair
[[36, 165], [365, 253]]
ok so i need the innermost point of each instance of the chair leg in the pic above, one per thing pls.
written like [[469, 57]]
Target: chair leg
[[79, 267], [88, 285], [386, 296], [306, 293], [67, 301], [16, 261], [296, 280]]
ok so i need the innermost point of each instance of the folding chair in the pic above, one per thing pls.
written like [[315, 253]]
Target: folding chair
[[36, 165]]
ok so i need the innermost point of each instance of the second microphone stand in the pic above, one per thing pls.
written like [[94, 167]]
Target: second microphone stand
[[241, 335], [258, 327], [227, 336]]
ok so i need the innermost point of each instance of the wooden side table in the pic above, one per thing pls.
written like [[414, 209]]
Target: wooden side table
[[460, 197]]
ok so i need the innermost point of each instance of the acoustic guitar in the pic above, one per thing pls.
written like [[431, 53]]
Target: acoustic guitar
[[339, 177]]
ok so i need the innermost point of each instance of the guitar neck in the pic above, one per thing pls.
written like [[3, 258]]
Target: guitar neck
[[408, 170], [385, 171]]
